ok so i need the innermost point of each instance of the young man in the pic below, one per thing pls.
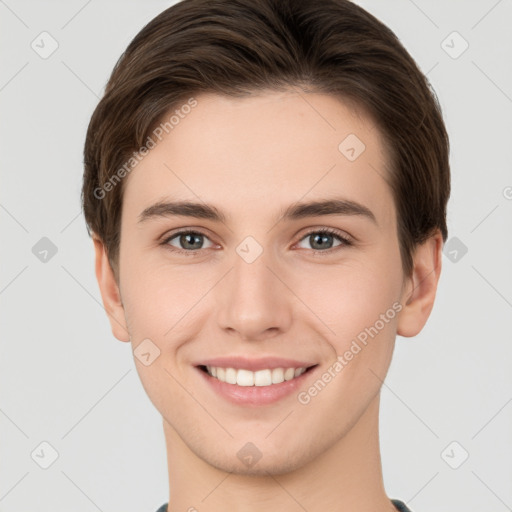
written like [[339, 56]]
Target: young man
[[266, 186]]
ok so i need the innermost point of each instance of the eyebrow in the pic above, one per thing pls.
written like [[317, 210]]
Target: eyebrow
[[293, 212]]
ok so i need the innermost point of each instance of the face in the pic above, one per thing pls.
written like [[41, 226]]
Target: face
[[260, 281]]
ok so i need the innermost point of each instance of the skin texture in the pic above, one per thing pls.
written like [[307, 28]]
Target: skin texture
[[251, 158]]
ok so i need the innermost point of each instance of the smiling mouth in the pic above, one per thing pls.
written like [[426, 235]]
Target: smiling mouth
[[247, 378]]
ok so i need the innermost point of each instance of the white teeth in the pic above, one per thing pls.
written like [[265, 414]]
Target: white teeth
[[277, 375], [263, 378], [289, 373], [259, 378], [245, 378], [231, 375]]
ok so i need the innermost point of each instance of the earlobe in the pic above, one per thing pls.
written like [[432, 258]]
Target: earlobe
[[110, 292], [420, 292]]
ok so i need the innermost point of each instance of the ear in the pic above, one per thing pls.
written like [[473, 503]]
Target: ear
[[420, 289], [110, 292]]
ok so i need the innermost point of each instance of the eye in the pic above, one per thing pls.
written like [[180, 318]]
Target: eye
[[321, 239], [188, 241]]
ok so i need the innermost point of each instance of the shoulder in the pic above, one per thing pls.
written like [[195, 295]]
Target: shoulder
[[399, 505]]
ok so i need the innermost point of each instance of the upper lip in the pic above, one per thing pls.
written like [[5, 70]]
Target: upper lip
[[254, 364]]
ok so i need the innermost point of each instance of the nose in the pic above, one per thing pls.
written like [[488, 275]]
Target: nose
[[253, 300]]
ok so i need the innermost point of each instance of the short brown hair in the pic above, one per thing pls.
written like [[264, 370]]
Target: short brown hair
[[239, 47]]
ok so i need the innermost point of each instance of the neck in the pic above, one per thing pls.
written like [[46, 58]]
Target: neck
[[346, 477]]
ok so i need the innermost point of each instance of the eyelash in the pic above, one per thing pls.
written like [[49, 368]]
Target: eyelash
[[345, 242]]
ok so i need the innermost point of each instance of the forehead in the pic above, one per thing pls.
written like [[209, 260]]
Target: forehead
[[253, 155]]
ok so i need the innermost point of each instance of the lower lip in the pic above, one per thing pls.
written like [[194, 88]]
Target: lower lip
[[255, 395]]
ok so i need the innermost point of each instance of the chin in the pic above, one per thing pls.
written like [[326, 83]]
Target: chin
[[278, 464], [260, 458]]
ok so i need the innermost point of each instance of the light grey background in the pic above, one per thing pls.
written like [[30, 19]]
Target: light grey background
[[66, 381]]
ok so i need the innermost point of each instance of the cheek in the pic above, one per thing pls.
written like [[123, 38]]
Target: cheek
[[350, 297], [154, 301], [358, 308], [164, 302]]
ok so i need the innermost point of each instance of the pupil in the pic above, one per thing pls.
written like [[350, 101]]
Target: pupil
[[185, 239], [322, 237]]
